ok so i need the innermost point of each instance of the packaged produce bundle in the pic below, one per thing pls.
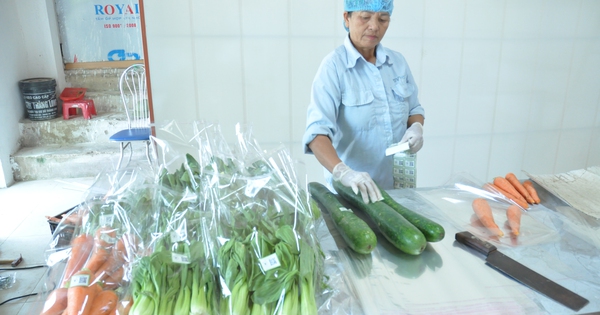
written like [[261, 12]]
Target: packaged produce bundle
[[94, 247], [211, 229]]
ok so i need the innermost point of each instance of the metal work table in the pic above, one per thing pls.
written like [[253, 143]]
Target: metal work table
[[449, 278]]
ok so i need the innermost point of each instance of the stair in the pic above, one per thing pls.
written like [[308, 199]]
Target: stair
[[75, 147]]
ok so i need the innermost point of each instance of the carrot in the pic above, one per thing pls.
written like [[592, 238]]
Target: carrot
[[114, 261], [56, 302], [513, 214], [495, 189], [104, 303], [81, 246], [104, 240], [512, 179], [81, 294], [114, 279], [505, 185], [529, 186], [483, 211]]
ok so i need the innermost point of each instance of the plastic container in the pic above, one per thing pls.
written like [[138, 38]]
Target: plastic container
[[39, 95]]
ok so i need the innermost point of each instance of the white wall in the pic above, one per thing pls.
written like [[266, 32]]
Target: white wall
[[28, 48], [507, 85]]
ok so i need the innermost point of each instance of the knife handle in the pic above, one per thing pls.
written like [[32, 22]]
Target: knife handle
[[467, 238]]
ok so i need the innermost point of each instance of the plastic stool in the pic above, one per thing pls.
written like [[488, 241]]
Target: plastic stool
[[86, 105]]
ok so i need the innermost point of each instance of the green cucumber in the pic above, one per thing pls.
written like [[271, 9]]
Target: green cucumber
[[432, 231], [357, 234], [396, 229]]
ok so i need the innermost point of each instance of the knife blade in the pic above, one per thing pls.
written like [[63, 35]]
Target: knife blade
[[397, 147], [521, 273]]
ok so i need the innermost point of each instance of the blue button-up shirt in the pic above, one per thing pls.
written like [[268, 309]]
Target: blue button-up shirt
[[362, 108]]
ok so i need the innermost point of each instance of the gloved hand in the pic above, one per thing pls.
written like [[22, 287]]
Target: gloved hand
[[357, 181], [414, 136]]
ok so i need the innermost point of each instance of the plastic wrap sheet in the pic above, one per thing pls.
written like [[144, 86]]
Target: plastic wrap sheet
[[444, 279], [455, 202]]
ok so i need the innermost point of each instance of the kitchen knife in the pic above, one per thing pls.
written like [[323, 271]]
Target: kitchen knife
[[522, 274], [397, 147]]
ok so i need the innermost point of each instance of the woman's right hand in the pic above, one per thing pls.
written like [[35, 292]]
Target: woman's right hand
[[358, 181]]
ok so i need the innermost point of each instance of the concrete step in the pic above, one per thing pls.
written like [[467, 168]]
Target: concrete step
[[76, 129], [104, 79], [71, 161], [106, 101]]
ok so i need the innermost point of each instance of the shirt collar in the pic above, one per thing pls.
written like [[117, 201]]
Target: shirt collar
[[353, 54]]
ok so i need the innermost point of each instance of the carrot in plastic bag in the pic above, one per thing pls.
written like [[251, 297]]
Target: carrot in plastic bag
[[512, 179], [104, 240], [104, 303], [114, 261], [505, 185], [81, 293], [483, 211], [81, 246], [513, 214], [529, 186], [56, 302]]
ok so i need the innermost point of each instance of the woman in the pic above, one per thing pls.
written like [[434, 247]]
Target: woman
[[363, 100]]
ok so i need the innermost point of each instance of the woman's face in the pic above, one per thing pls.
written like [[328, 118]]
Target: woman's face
[[366, 28]]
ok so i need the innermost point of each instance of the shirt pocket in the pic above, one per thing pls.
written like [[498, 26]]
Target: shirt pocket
[[403, 89], [357, 110]]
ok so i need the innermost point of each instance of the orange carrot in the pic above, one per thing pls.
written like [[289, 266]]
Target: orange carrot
[[56, 302], [483, 211], [512, 179], [104, 303], [81, 246], [529, 186], [505, 185], [104, 240], [114, 261], [495, 189], [81, 294], [114, 279], [513, 214]]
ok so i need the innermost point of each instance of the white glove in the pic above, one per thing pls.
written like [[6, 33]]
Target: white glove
[[414, 136], [357, 181]]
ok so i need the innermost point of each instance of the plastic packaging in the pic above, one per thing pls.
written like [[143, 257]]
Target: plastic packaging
[[211, 228], [7, 279], [455, 200]]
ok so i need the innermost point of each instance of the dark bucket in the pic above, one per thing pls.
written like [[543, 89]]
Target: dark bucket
[[39, 95]]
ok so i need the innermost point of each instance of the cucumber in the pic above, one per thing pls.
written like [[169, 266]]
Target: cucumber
[[396, 229], [432, 231], [355, 232]]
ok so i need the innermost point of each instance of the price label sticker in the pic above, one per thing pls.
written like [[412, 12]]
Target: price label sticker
[[80, 281], [180, 258], [344, 209], [106, 219], [269, 262]]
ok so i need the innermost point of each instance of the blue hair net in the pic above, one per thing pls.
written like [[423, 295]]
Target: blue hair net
[[369, 5]]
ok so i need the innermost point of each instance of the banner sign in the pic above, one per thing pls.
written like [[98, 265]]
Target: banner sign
[[99, 30]]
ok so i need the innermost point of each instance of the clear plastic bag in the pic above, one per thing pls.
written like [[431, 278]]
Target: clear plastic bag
[[455, 200]]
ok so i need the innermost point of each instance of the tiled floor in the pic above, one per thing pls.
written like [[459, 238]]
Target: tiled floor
[[25, 231]]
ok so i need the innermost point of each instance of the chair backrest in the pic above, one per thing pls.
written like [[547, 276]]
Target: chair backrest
[[135, 96]]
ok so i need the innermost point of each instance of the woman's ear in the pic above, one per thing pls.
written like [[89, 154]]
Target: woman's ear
[[346, 19]]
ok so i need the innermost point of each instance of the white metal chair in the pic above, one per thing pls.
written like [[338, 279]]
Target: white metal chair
[[135, 99]]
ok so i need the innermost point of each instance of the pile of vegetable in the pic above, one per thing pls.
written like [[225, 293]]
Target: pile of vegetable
[[521, 195], [222, 233], [407, 230]]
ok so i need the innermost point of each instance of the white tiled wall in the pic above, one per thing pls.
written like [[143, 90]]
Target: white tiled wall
[[507, 85]]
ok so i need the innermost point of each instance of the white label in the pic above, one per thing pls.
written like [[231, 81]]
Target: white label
[[345, 209], [80, 280], [107, 238], [178, 236], [180, 258], [269, 262], [106, 219]]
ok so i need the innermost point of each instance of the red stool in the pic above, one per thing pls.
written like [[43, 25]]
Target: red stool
[[86, 105], [73, 99]]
